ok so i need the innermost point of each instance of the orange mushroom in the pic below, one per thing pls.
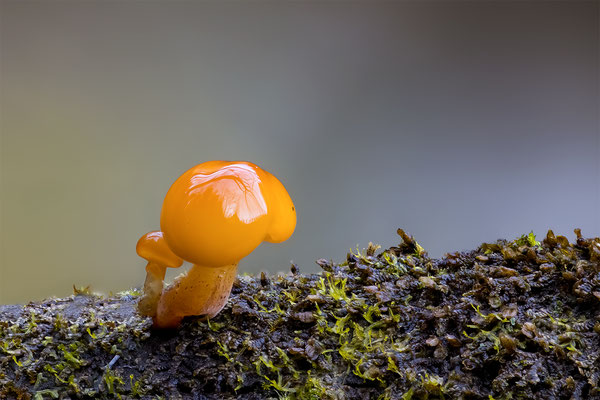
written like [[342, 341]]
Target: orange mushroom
[[154, 249], [214, 215]]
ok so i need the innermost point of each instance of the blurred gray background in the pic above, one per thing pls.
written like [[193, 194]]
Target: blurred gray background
[[461, 122]]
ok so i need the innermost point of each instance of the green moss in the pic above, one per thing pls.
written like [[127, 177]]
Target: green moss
[[527, 240], [112, 381], [510, 319]]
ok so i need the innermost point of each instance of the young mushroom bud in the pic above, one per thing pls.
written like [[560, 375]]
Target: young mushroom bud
[[214, 215], [153, 248]]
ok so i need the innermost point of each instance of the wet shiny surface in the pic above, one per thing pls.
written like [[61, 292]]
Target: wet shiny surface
[[236, 186], [153, 248], [218, 212]]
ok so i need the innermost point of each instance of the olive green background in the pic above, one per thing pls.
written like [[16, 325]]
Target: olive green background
[[461, 122]]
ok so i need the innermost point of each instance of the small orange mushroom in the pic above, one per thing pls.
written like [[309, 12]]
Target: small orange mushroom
[[214, 215], [153, 248]]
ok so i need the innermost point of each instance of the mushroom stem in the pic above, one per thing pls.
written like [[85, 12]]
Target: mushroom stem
[[201, 291], [153, 286]]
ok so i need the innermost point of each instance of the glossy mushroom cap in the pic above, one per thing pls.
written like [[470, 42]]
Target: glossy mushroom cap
[[153, 247], [218, 212], [281, 209]]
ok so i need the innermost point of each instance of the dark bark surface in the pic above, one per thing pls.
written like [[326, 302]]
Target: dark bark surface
[[518, 319]]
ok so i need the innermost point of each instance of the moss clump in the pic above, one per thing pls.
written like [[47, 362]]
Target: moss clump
[[511, 319]]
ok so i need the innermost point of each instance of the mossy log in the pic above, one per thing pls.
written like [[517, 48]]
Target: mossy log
[[508, 320]]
